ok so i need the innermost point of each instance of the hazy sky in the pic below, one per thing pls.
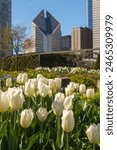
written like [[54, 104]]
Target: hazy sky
[[70, 13]]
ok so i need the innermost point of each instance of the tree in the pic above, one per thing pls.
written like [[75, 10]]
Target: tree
[[19, 36], [28, 44]]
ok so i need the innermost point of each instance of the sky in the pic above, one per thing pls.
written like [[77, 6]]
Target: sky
[[70, 13]]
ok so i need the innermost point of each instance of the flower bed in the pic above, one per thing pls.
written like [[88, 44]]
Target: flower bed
[[36, 114]]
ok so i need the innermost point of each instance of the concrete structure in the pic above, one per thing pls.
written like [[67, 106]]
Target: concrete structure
[[89, 14], [46, 33], [5, 21], [81, 38], [96, 24], [66, 42]]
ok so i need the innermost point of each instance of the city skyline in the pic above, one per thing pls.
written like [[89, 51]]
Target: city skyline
[[70, 16]]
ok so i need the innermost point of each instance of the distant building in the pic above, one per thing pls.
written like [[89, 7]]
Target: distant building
[[5, 13], [66, 42], [46, 33], [5, 21], [81, 38], [96, 24], [89, 14]]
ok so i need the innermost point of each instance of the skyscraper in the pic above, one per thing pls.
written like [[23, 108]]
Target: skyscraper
[[5, 22], [5, 13], [96, 24], [46, 33], [81, 38], [89, 14]]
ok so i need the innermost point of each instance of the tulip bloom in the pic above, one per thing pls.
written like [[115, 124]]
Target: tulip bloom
[[8, 82], [4, 104], [68, 102], [26, 118], [16, 98], [93, 133], [58, 83], [82, 88], [57, 107], [44, 90], [68, 120], [22, 78], [90, 93], [30, 88], [59, 97], [42, 114]]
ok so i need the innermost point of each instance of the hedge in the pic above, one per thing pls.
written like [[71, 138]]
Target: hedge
[[31, 61]]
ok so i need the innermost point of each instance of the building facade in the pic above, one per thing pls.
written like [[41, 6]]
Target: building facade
[[81, 38], [5, 13], [5, 22], [66, 42], [89, 14], [96, 24], [46, 33]]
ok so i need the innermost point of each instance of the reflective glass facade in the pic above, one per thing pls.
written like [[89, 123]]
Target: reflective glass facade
[[5, 13], [89, 13]]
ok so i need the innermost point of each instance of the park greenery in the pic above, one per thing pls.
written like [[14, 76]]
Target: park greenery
[[38, 112]]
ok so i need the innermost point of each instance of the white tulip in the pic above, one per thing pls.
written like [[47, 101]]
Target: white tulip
[[4, 104], [30, 88], [68, 120], [57, 107], [82, 88], [93, 133], [16, 98], [22, 78], [59, 97], [43, 80], [18, 79], [68, 104], [68, 91], [42, 114], [90, 93], [71, 88], [8, 82], [26, 118], [44, 90], [58, 83], [52, 84], [39, 76]]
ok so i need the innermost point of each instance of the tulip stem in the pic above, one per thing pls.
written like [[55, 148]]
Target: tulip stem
[[67, 141], [1, 119], [58, 131], [41, 126], [15, 118], [42, 102], [93, 146]]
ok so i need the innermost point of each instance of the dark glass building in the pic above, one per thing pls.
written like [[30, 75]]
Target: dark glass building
[[5, 22], [89, 13], [5, 13]]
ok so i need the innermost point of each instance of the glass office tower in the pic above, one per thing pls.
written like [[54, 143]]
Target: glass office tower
[[5, 13], [89, 13]]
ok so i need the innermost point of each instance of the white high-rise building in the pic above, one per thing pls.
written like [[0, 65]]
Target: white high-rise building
[[96, 24]]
